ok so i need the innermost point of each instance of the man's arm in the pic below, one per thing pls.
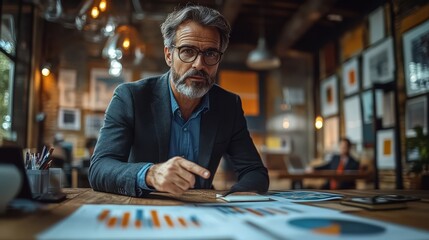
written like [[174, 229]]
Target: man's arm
[[252, 174], [109, 170]]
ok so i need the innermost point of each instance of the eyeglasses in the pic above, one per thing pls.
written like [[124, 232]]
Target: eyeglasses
[[188, 54]]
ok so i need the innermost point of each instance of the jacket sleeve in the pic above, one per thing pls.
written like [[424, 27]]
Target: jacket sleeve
[[110, 170], [252, 174]]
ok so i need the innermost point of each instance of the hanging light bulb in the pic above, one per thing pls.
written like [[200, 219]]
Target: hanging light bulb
[[94, 20], [124, 46]]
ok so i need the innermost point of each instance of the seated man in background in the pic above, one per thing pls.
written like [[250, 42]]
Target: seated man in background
[[340, 162]]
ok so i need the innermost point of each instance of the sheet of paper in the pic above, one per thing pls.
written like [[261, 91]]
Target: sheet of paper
[[147, 222], [256, 220], [304, 196], [244, 198]]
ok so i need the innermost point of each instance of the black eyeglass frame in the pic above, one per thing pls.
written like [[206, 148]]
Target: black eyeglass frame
[[203, 53]]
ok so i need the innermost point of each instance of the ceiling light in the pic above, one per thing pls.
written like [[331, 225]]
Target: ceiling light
[[124, 46], [261, 58], [95, 20]]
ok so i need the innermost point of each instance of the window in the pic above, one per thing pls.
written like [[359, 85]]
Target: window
[[6, 83]]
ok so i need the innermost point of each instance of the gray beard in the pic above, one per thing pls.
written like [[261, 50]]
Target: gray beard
[[195, 89]]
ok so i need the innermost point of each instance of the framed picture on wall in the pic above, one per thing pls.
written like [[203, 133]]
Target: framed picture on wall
[[416, 112], [331, 133], [351, 76], [386, 149], [329, 96], [378, 64], [353, 120], [416, 59], [102, 86], [376, 25], [67, 87], [69, 119]]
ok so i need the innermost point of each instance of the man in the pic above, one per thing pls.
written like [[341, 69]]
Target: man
[[168, 133], [343, 161]]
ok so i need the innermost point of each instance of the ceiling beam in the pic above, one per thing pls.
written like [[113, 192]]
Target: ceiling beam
[[230, 10], [304, 18]]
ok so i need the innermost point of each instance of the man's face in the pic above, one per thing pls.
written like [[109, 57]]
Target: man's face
[[193, 79], [344, 148]]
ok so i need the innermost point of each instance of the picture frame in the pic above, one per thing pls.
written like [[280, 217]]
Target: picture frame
[[377, 29], [351, 76], [67, 87], [367, 107], [416, 111], [331, 133], [353, 120], [69, 119], [102, 86], [329, 96], [386, 145], [415, 47], [378, 64]]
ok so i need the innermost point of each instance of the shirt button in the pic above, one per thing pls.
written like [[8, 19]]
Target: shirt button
[[185, 129]]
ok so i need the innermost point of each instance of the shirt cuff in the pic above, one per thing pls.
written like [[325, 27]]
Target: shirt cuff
[[141, 177]]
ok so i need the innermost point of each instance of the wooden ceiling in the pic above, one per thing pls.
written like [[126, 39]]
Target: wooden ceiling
[[288, 25]]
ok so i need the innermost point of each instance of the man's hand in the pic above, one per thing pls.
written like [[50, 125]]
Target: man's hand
[[175, 176]]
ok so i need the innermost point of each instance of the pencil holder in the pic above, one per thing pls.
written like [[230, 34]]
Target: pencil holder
[[38, 180]]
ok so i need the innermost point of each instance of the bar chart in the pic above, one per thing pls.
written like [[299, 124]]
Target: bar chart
[[146, 219]]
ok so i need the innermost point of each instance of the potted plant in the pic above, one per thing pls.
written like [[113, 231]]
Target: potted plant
[[420, 166]]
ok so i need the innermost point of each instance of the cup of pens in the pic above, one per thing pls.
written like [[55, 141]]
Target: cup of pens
[[38, 171], [38, 180]]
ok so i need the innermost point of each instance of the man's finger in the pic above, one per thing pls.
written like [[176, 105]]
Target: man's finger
[[195, 168]]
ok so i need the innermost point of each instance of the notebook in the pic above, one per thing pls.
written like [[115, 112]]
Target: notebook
[[13, 155]]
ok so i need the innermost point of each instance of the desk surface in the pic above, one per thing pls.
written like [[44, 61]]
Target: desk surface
[[12, 224]]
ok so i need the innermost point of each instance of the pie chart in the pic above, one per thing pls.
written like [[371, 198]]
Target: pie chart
[[336, 227]]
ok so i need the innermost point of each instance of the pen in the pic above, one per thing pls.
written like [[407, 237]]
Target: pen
[[45, 161], [42, 155]]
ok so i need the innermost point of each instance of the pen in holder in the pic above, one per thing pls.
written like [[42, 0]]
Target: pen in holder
[[38, 180]]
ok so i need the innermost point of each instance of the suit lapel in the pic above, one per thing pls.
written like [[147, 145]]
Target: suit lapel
[[161, 110], [208, 129]]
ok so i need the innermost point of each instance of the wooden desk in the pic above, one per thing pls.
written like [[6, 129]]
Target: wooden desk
[[15, 225], [327, 174], [297, 178]]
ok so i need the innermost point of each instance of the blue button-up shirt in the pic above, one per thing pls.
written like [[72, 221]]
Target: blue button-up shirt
[[184, 136]]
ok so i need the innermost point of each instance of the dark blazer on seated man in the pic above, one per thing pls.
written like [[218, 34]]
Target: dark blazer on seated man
[[136, 133], [168, 133], [347, 163]]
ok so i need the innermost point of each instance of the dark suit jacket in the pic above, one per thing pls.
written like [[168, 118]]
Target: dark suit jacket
[[136, 132], [352, 164]]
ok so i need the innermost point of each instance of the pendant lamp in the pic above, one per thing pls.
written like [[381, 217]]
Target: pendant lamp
[[261, 58], [95, 20], [124, 46]]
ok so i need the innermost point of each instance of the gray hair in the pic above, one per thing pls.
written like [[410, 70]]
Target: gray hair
[[199, 14]]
